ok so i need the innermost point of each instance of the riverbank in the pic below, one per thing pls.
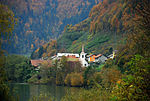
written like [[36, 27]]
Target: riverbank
[[25, 92]]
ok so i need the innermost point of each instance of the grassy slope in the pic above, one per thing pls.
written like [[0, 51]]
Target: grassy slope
[[100, 32]]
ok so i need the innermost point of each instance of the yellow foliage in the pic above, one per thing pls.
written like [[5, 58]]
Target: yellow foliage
[[44, 46], [44, 55], [32, 46], [77, 79], [119, 81], [74, 79], [37, 50]]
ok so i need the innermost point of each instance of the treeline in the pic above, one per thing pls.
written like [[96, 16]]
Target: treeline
[[104, 29], [39, 21]]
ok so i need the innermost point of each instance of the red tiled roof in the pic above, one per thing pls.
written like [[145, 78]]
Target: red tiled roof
[[36, 62], [98, 55], [72, 59]]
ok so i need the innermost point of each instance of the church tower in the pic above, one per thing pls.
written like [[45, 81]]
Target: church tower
[[82, 54], [83, 57]]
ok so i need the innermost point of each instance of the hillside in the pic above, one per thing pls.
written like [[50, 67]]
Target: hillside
[[42, 20], [120, 26], [103, 31]]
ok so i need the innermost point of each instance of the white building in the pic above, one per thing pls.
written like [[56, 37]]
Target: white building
[[67, 54], [83, 58]]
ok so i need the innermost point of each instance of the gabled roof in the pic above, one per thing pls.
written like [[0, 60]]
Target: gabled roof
[[95, 56], [36, 62], [99, 55], [90, 55]]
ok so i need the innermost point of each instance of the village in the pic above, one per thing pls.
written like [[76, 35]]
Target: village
[[84, 58]]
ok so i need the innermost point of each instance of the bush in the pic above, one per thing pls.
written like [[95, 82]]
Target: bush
[[33, 79], [74, 79], [68, 80], [97, 77], [110, 76], [60, 78]]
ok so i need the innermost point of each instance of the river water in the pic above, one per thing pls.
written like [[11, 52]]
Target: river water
[[25, 92]]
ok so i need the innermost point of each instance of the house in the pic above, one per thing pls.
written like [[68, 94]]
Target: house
[[54, 57], [59, 55], [101, 59], [37, 63], [112, 56], [74, 57], [93, 57]]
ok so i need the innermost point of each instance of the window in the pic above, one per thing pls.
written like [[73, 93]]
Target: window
[[82, 56]]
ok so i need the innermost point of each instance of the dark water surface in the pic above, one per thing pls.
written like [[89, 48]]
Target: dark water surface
[[25, 92]]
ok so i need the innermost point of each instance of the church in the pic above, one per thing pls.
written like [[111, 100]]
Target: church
[[81, 57]]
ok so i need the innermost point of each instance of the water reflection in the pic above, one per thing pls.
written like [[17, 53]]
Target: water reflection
[[24, 92]]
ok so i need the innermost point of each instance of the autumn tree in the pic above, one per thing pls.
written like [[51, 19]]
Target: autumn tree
[[110, 76], [138, 37], [7, 22], [135, 56]]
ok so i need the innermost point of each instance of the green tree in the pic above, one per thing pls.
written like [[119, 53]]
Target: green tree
[[61, 71], [88, 76], [18, 68], [7, 22], [138, 37], [135, 86]]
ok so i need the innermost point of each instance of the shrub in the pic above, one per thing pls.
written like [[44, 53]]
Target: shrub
[[97, 77], [74, 79], [110, 76], [68, 80], [33, 79], [60, 79]]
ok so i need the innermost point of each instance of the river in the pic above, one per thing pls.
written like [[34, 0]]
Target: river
[[25, 92]]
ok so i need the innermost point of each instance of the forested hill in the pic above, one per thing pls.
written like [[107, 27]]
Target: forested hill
[[42, 20], [103, 31]]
